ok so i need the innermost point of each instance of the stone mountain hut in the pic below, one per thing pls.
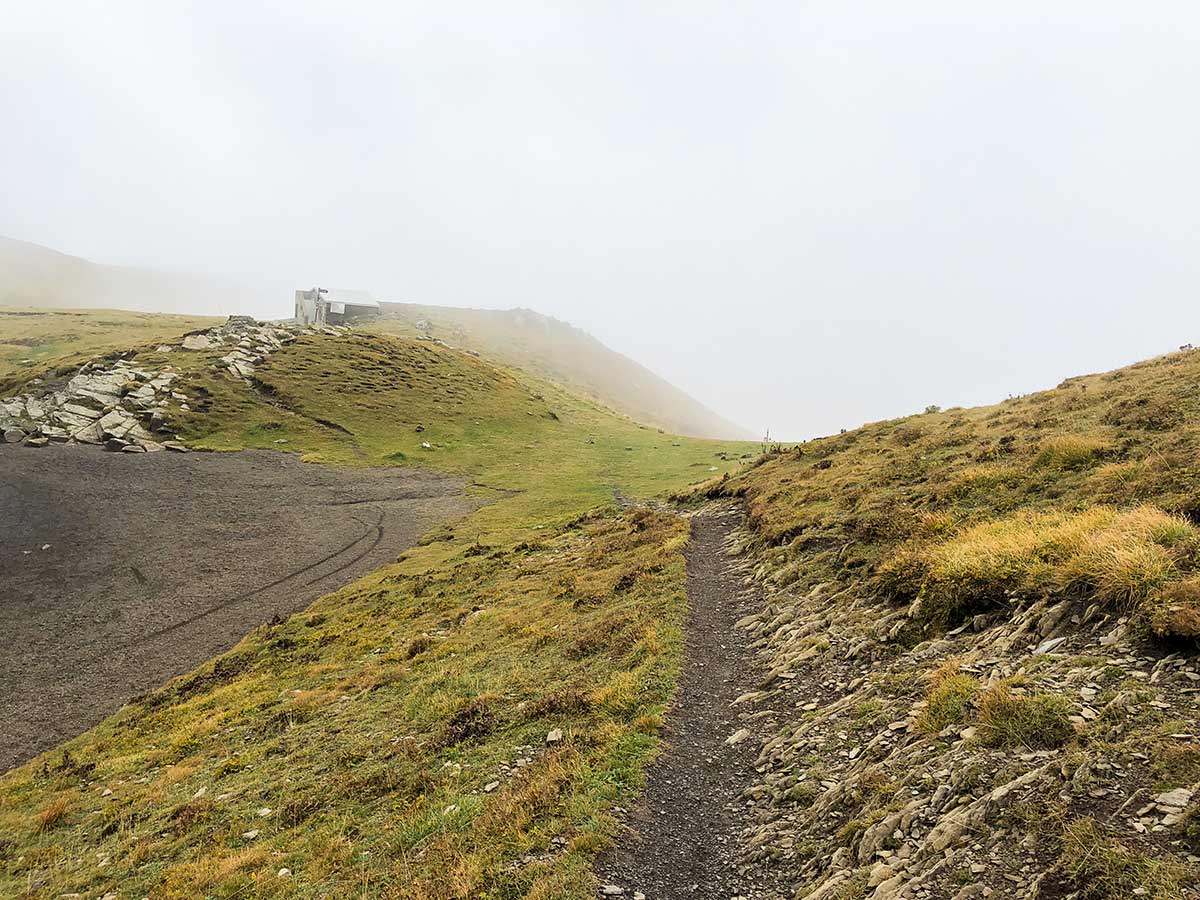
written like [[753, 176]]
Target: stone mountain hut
[[334, 306]]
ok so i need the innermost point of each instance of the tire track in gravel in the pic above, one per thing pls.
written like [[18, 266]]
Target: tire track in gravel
[[119, 571]]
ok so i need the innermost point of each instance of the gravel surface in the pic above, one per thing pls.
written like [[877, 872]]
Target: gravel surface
[[120, 571], [682, 841]]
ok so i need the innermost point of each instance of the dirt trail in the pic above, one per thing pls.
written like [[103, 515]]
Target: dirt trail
[[153, 563], [682, 839]]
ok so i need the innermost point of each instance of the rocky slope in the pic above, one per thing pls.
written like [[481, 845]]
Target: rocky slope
[[124, 405], [981, 636]]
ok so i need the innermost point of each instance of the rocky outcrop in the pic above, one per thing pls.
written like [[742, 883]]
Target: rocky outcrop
[[122, 403]]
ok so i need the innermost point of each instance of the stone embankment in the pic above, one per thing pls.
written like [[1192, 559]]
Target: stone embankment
[[122, 404]]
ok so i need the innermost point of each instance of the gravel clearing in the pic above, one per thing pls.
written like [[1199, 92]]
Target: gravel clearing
[[120, 571]]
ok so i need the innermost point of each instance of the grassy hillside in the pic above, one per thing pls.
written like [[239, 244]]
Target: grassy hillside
[[36, 340], [456, 725], [36, 276], [889, 501], [1003, 603], [555, 350]]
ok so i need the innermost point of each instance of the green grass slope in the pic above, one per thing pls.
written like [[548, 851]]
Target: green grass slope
[[456, 725], [556, 351], [989, 619], [928, 504]]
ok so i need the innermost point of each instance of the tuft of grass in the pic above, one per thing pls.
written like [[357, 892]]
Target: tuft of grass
[[1176, 612], [1175, 764], [1123, 558], [52, 814], [1037, 722], [949, 700], [1104, 869], [1072, 451]]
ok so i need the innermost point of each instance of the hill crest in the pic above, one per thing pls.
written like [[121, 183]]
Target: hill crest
[[551, 348]]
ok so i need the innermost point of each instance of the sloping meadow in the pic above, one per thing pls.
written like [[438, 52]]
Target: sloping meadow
[[454, 731], [982, 641], [456, 725]]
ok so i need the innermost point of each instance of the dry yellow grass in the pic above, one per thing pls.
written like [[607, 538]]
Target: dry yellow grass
[[1122, 558], [837, 509], [52, 814], [1072, 451]]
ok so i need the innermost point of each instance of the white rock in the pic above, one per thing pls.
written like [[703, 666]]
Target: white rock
[[1176, 799], [197, 342], [737, 737], [881, 873], [1048, 646]]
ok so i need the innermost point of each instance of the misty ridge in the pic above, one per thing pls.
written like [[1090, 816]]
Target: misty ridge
[[851, 197]]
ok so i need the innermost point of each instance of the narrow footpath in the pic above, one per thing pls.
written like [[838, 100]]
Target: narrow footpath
[[682, 840]]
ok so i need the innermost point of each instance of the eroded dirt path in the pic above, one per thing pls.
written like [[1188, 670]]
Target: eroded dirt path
[[682, 840], [154, 563]]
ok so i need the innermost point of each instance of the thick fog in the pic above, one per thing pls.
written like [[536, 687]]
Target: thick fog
[[808, 215]]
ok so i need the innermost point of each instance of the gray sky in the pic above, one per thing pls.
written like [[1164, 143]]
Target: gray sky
[[808, 215]]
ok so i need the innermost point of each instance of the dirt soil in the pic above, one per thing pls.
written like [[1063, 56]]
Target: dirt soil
[[682, 841], [120, 571]]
